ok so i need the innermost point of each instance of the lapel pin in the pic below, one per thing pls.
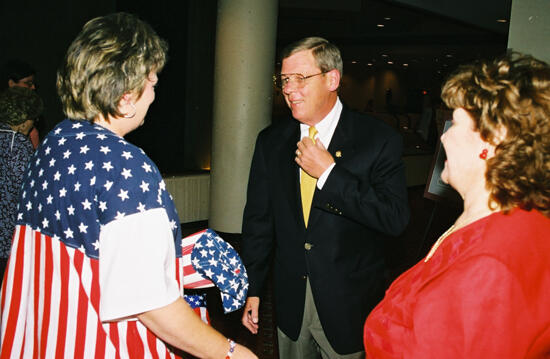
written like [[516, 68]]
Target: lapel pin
[[338, 154]]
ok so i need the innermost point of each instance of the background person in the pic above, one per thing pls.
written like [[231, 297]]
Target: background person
[[96, 262], [18, 109], [18, 73], [329, 269], [482, 291]]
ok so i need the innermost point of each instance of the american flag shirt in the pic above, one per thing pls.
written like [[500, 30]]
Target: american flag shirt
[[80, 179]]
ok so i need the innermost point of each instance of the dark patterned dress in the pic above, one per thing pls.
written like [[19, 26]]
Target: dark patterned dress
[[15, 151]]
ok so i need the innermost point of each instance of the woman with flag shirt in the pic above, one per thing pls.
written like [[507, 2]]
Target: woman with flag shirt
[[95, 269]]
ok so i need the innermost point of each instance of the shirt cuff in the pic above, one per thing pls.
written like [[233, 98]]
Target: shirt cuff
[[323, 178]]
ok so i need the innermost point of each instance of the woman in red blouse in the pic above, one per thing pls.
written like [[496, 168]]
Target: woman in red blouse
[[483, 291]]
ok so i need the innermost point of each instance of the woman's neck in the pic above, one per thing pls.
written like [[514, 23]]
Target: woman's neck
[[476, 206]]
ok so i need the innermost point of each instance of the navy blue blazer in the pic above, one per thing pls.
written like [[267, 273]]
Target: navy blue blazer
[[342, 251]]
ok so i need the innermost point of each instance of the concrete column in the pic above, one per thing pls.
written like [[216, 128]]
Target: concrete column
[[529, 28], [245, 57]]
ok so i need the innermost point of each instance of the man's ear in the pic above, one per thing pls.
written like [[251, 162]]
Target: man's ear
[[11, 83], [334, 79]]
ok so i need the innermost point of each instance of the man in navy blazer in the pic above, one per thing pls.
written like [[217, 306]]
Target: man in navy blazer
[[328, 268]]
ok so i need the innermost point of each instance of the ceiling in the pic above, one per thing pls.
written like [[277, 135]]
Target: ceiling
[[416, 34]]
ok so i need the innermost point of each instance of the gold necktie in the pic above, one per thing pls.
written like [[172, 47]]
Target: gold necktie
[[307, 184]]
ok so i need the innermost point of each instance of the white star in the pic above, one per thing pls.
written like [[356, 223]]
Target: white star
[[221, 278], [62, 192], [29, 205], [84, 149], [77, 125], [89, 165], [57, 131], [173, 224], [108, 185], [107, 166], [61, 141], [92, 181], [83, 228], [71, 169], [86, 204], [203, 253], [80, 135], [146, 167], [213, 262], [102, 206], [44, 185], [32, 183], [141, 207], [208, 273], [24, 194], [233, 261], [52, 162], [70, 209], [120, 215], [101, 136], [57, 215], [45, 223], [66, 154], [162, 185], [105, 149], [47, 151], [77, 186], [56, 176], [144, 186], [96, 245], [19, 216], [40, 173], [126, 173], [37, 161], [210, 243], [68, 233], [126, 154], [49, 199], [123, 195], [196, 263]]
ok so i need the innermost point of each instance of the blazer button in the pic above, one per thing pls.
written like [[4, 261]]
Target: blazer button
[[308, 246]]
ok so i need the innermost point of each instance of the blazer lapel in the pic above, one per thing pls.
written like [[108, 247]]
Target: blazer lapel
[[289, 171]]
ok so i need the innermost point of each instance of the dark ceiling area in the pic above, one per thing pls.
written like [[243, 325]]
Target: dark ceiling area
[[422, 35]]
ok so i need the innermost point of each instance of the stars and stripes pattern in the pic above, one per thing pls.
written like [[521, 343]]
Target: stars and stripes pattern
[[198, 303], [81, 178], [217, 260], [191, 278]]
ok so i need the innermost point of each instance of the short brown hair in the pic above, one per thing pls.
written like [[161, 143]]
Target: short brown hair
[[19, 104], [327, 56], [111, 56], [510, 93]]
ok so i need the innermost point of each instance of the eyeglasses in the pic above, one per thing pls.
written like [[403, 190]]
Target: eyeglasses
[[282, 80]]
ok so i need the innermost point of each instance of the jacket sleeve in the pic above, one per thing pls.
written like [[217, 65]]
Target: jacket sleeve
[[258, 228], [376, 195]]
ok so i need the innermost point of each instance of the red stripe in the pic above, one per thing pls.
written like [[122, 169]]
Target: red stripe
[[48, 277], [15, 300], [82, 315], [133, 341], [113, 335], [64, 262], [152, 342], [199, 284], [187, 249], [94, 299], [37, 292], [188, 270]]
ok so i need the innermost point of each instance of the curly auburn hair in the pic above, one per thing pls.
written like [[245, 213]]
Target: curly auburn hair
[[509, 102], [113, 55]]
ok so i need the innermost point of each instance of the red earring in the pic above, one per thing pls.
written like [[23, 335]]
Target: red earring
[[483, 154]]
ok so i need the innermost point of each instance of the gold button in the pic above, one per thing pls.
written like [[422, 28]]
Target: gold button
[[308, 246]]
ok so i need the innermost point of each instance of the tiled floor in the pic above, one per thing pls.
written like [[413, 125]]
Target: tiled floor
[[428, 221]]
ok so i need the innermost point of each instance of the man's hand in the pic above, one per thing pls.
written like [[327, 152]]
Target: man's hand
[[313, 158], [250, 314]]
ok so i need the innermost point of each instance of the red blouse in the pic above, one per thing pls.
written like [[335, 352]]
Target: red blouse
[[485, 293]]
